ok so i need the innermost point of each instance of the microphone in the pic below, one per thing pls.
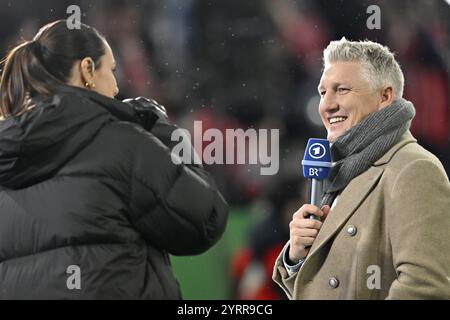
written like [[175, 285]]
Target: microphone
[[316, 168]]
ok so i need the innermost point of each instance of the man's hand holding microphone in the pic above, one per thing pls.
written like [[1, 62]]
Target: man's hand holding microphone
[[307, 221], [303, 230]]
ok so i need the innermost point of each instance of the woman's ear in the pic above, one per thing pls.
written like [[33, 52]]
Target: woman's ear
[[87, 66], [386, 96]]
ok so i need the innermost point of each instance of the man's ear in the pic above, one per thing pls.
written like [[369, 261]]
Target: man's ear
[[386, 97], [87, 66]]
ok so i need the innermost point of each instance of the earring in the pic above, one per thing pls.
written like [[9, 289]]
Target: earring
[[90, 85]]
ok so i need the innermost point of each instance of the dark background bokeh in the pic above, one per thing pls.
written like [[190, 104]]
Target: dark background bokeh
[[254, 64]]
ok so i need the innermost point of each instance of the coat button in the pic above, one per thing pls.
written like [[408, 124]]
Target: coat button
[[333, 282], [352, 230]]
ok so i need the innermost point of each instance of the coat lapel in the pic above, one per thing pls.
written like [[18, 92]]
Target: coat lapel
[[352, 197]]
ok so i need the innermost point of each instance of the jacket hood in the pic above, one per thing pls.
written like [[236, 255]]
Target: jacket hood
[[36, 144]]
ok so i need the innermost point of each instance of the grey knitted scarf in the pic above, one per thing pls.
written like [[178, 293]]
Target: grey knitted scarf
[[366, 142]]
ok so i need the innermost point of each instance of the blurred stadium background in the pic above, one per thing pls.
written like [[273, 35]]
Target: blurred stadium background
[[253, 64]]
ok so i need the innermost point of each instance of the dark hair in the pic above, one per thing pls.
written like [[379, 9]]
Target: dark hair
[[40, 66]]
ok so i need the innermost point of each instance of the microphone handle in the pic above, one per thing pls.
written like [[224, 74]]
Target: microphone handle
[[315, 195]]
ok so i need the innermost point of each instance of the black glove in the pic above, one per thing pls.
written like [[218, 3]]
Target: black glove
[[148, 111]]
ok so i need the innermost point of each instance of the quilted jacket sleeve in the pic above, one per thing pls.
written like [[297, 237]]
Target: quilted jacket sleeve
[[176, 207]]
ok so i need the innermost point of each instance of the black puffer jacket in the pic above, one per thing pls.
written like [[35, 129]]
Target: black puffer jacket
[[83, 192]]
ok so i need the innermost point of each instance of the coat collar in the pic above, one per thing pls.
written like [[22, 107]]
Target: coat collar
[[406, 138], [354, 194]]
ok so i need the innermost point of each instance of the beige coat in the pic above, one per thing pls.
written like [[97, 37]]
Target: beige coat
[[387, 237]]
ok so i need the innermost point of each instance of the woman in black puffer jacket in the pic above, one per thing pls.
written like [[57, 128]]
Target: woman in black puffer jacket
[[92, 201]]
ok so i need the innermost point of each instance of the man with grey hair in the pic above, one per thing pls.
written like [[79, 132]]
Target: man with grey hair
[[385, 216]]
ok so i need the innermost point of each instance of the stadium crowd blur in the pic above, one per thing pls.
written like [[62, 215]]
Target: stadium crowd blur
[[256, 64]]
